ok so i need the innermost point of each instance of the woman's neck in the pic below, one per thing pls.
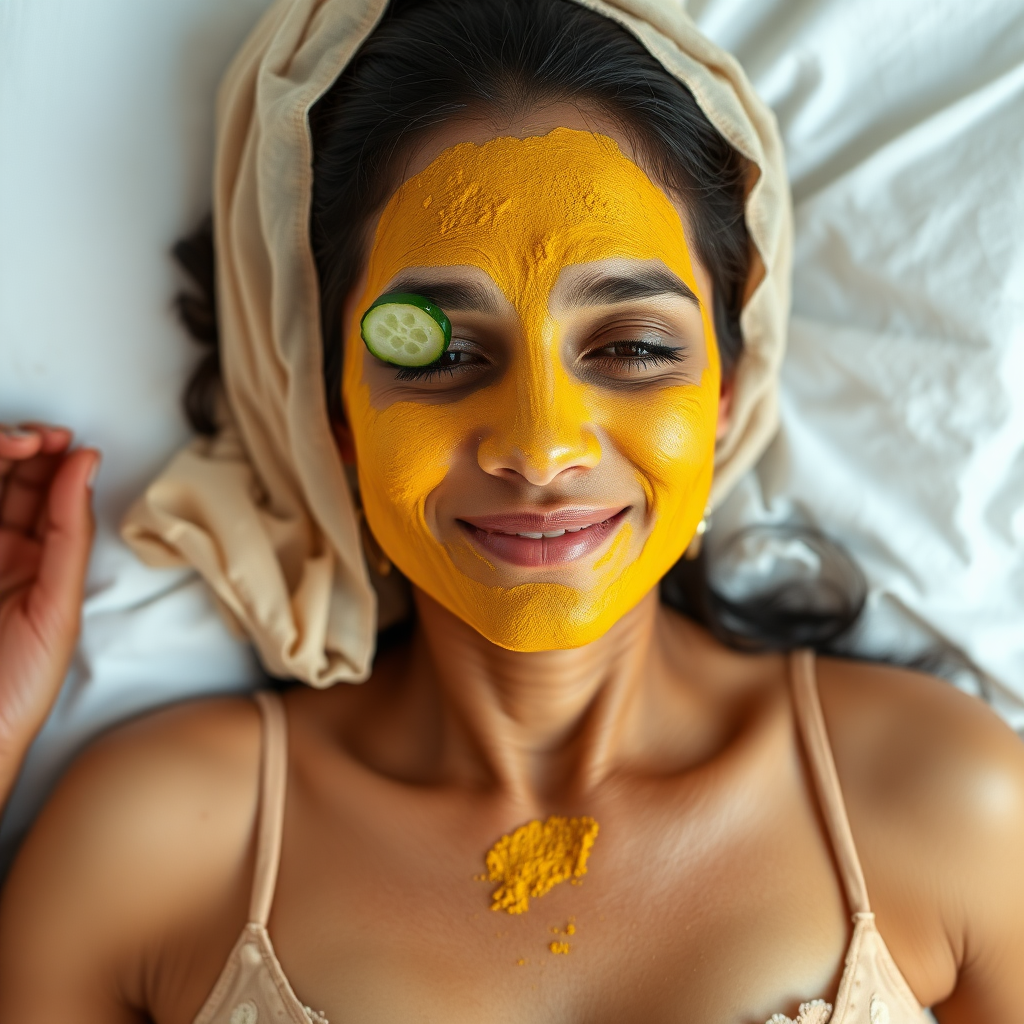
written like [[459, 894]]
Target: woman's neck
[[543, 726]]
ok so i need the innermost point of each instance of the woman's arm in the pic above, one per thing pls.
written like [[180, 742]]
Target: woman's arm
[[46, 530]]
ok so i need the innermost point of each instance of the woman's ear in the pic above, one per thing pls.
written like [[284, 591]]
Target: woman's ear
[[343, 439], [725, 406]]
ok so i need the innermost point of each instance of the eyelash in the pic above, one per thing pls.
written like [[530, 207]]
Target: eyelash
[[658, 355], [430, 371]]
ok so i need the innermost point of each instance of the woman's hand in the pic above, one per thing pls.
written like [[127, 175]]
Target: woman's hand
[[46, 529]]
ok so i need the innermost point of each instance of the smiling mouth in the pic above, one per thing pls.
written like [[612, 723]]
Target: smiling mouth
[[532, 540]]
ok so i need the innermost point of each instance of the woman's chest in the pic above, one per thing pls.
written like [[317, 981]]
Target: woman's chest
[[688, 910]]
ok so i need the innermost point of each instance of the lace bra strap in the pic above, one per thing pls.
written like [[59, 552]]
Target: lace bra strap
[[811, 723], [273, 784]]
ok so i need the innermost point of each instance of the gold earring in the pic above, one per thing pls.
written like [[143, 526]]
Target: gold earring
[[693, 548]]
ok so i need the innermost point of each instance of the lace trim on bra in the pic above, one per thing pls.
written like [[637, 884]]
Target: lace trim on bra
[[817, 1011]]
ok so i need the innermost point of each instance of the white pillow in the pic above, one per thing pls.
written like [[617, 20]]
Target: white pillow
[[903, 430]]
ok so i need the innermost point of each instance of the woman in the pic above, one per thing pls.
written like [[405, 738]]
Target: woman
[[534, 480]]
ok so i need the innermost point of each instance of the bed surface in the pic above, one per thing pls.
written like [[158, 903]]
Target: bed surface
[[903, 389]]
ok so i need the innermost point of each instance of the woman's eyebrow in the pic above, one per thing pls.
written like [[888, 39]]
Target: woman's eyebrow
[[450, 295], [598, 290]]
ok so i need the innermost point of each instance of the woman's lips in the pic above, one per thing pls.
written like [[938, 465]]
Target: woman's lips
[[534, 539]]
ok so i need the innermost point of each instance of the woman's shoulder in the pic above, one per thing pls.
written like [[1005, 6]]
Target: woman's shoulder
[[199, 753], [148, 834], [184, 774], [933, 782], [919, 739]]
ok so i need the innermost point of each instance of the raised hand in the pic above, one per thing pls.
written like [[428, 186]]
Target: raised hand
[[46, 530]]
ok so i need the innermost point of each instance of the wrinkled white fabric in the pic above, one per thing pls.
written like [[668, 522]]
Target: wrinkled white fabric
[[903, 390]]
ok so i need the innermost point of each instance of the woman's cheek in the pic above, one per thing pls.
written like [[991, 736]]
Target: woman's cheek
[[405, 453], [668, 436]]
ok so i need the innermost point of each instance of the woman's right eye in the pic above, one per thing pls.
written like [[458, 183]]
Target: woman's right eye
[[452, 362]]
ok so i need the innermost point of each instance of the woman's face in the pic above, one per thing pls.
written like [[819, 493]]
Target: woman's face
[[544, 476]]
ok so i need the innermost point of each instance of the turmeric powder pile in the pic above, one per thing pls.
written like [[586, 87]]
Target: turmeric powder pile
[[536, 857]]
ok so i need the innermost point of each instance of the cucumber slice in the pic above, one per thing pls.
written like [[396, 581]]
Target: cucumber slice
[[406, 330]]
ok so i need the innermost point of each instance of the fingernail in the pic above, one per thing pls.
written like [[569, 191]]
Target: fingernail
[[91, 479], [17, 433]]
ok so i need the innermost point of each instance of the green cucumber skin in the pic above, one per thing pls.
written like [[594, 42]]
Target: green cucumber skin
[[418, 302]]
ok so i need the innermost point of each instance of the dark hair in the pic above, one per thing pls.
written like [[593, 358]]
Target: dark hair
[[430, 61], [775, 601], [197, 311], [433, 60]]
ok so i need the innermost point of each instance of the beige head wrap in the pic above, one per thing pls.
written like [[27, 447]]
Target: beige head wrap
[[264, 511]]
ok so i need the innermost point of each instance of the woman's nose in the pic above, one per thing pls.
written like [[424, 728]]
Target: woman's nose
[[540, 428]]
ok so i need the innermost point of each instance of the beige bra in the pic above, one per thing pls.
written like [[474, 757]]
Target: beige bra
[[252, 988]]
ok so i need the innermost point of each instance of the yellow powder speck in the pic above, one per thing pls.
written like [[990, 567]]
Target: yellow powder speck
[[536, 857], [570, 929], [521, 962], [559, 947]]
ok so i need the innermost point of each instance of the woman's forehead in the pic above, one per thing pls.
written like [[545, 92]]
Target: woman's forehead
[[523, 208], [538, 120]]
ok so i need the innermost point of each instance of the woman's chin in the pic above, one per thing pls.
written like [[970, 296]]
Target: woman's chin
[[533, 617]]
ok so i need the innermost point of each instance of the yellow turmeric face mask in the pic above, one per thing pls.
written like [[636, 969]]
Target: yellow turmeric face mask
[[578, 399]]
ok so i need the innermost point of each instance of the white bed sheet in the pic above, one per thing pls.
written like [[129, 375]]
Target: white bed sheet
[[903, 388], [903, 416], [106, 130]]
